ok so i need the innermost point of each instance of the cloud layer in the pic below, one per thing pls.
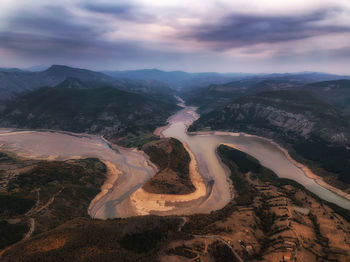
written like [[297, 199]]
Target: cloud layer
[[222, 35], [239, 30]]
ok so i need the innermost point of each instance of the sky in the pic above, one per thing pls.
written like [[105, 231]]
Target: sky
[[253, 36]]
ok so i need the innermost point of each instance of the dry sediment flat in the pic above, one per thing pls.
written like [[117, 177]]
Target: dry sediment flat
[[128, 169]]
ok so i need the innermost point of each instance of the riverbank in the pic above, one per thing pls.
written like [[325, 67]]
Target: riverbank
[[203, 144], [188, 117], [112, 175]]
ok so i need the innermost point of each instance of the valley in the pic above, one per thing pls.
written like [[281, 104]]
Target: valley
[[174, 131], [225, 185], [269, 219]]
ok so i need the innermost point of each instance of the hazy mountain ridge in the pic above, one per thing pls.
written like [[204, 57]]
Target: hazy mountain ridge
[[216, 95], [177, 79], [16, 82], [11, 69], [12, 83]]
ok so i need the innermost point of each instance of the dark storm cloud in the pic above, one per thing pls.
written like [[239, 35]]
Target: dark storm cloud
[[116, 9], [241, 30], [56, 33], [139, 34], [54, 26], [52, 46], [54, 21], [56, 49], [121, 11]]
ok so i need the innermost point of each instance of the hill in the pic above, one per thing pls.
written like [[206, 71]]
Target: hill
[[14, 82], [118, 115], [41, 195], [213, 96], [336, 93], [173, 162]]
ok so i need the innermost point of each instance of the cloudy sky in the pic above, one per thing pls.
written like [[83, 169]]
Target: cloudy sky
[[201, 35]]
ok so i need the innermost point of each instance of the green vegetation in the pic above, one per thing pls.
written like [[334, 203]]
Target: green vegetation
[[239, 164], [11, 233], [239, 161], [51, 193], [333, 158], [205, 223], [11, 205], [138, 140], [336, 93], [143, 241], [134, 239], [221, 252], [173, 161], [182, 251]]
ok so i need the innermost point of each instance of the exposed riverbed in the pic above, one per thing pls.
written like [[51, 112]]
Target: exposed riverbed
[[129, 169]]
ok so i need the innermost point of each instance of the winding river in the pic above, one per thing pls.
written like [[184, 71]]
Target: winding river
[[129, 169], [269, 154]]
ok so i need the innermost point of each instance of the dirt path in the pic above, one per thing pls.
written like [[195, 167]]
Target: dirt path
[[31, 229], [219, 238]]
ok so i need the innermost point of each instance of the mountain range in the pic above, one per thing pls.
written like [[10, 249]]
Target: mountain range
[[306, 113], [14, 81]]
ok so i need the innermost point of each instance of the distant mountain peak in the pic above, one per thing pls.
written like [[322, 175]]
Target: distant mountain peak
[[61, 72], [58, 66], [12, 69], [61, 68], [71, 82]]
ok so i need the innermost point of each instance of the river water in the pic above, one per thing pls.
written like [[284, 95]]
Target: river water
[[135, 169], [269, 155]]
